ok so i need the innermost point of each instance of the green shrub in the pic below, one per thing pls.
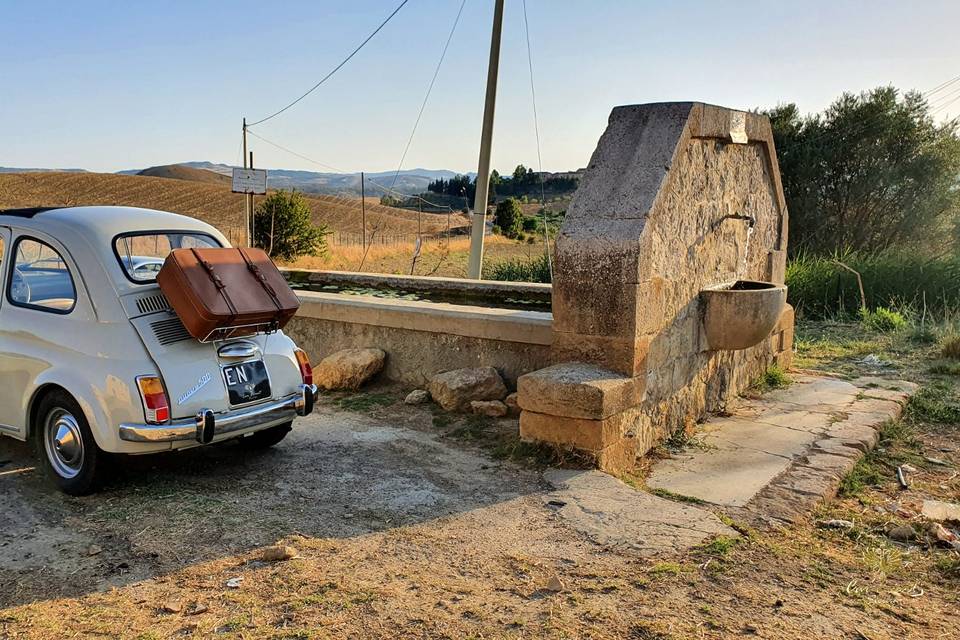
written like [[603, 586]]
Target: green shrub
[[537, 270], [509, 217], [883, 320], [496, 230], [283, 227], [530, 224]]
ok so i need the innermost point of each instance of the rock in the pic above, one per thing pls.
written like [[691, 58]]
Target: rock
[[349, 368], [902, 533], [455, 390], [836, 524], [513, 408], [171, 606], [197, 609], [941, 511], [943, 536], [94, 549], [491, 408], [417, 396], [234, 583], [278, 553], [554, 584]]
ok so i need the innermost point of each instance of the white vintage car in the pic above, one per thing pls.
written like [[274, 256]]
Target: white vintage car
[[94, 363]]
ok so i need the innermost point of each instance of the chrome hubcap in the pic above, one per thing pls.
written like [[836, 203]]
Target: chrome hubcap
[[64, 443]]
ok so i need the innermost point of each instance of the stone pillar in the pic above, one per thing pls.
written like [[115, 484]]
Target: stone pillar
[[659, 215]]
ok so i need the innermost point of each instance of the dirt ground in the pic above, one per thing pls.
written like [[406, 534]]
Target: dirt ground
[[409, 524]]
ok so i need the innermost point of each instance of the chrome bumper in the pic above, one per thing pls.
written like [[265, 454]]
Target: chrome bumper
[[206, 425]]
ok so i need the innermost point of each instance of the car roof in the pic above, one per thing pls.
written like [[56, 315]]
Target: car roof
[[96, 228]]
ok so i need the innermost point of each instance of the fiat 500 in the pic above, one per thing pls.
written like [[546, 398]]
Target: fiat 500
[[95, 364]]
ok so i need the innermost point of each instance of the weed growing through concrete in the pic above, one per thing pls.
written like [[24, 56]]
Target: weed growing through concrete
[[773, 378], [676, 497]]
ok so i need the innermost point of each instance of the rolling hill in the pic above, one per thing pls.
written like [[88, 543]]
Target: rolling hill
[[212, 202], [183, 172]]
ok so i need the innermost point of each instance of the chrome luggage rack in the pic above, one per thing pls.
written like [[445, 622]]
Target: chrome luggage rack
[[239, 331]]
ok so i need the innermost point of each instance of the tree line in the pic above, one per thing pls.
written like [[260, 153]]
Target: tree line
[[523, 181], [874, 171]]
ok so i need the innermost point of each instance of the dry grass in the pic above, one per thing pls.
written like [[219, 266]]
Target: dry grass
[[209, 201], [437, 257]]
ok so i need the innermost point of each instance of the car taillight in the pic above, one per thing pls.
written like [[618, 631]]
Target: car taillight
[[156, 407], [303, 361]]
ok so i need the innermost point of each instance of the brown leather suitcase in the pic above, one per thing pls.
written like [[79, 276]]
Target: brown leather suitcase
[[226, 292]]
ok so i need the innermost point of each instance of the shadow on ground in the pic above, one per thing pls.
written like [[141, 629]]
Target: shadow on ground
[[337, 475]]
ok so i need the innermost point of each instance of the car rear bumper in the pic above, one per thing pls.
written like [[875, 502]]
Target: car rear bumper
[[207, 425]]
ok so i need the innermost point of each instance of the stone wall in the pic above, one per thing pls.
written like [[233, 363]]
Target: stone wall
[[645, 233], [423, 338]]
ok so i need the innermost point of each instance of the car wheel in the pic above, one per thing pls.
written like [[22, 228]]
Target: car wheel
[[267, 437], [66, 446]]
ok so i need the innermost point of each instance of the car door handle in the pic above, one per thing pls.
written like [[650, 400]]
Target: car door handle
[[240, 349]]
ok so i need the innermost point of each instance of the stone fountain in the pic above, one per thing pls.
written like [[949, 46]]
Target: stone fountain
[[668, 296]]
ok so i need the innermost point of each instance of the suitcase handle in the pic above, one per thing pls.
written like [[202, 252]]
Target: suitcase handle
[[262, 279], [218, 283]]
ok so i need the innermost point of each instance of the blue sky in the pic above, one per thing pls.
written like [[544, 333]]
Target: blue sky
[[116, 85]]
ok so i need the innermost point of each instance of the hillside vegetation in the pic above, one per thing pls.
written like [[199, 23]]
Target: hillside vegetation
[[214, 203]]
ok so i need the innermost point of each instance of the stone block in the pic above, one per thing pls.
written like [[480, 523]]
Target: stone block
[[586, 435], [455, 390], [348, 368], [578, 390], [624, 355]]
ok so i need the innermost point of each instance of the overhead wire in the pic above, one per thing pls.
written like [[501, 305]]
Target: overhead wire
[[536, 129], [336, 68], [423, 106]]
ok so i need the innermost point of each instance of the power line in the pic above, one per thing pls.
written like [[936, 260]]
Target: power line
[[423, 106], [335, 69], [345, 172], [536, 129]]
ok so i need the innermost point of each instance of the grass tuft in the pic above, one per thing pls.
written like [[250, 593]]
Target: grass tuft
[[950, 347]]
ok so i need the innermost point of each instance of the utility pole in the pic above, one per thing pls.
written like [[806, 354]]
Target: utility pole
[[363, 211], [486, 136], [250, 209], [246, 197]]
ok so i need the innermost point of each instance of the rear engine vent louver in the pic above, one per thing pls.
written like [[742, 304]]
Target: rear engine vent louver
[[152, 303], [170, 330]]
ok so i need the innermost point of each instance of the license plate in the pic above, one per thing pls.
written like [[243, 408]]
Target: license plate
[[246, 382]]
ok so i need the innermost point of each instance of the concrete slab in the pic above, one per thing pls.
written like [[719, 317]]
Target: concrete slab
[[815, 429], [728, 477], [612, 514]]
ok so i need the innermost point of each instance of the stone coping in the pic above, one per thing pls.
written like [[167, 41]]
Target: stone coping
[[507, 325], [477, 288]]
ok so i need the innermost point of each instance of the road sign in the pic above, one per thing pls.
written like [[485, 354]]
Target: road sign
[[250, 181]]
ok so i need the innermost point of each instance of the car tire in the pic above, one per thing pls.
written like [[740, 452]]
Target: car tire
[[66, 446], [267, 437]]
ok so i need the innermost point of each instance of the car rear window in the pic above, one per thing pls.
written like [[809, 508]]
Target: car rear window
[[142, 254]]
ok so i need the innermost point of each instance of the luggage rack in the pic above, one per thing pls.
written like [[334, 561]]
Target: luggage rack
[[238, 331]]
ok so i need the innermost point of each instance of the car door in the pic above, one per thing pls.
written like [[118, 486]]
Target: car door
[[8, 424], [41, 316]]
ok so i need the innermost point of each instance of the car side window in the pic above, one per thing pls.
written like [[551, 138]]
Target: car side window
[[40, 278]]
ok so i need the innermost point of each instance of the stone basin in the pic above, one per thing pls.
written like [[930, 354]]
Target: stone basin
[[740, 314]]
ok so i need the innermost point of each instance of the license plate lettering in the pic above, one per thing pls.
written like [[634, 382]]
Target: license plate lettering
[[246, 382]]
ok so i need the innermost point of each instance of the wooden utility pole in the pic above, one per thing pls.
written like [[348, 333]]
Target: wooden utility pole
[[246, 197], [252, 217], [363, 211], [486, 136]]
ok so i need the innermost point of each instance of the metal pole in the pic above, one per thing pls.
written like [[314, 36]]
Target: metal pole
[[363, 211], [483, 172], [246, 199], [253, 222]]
